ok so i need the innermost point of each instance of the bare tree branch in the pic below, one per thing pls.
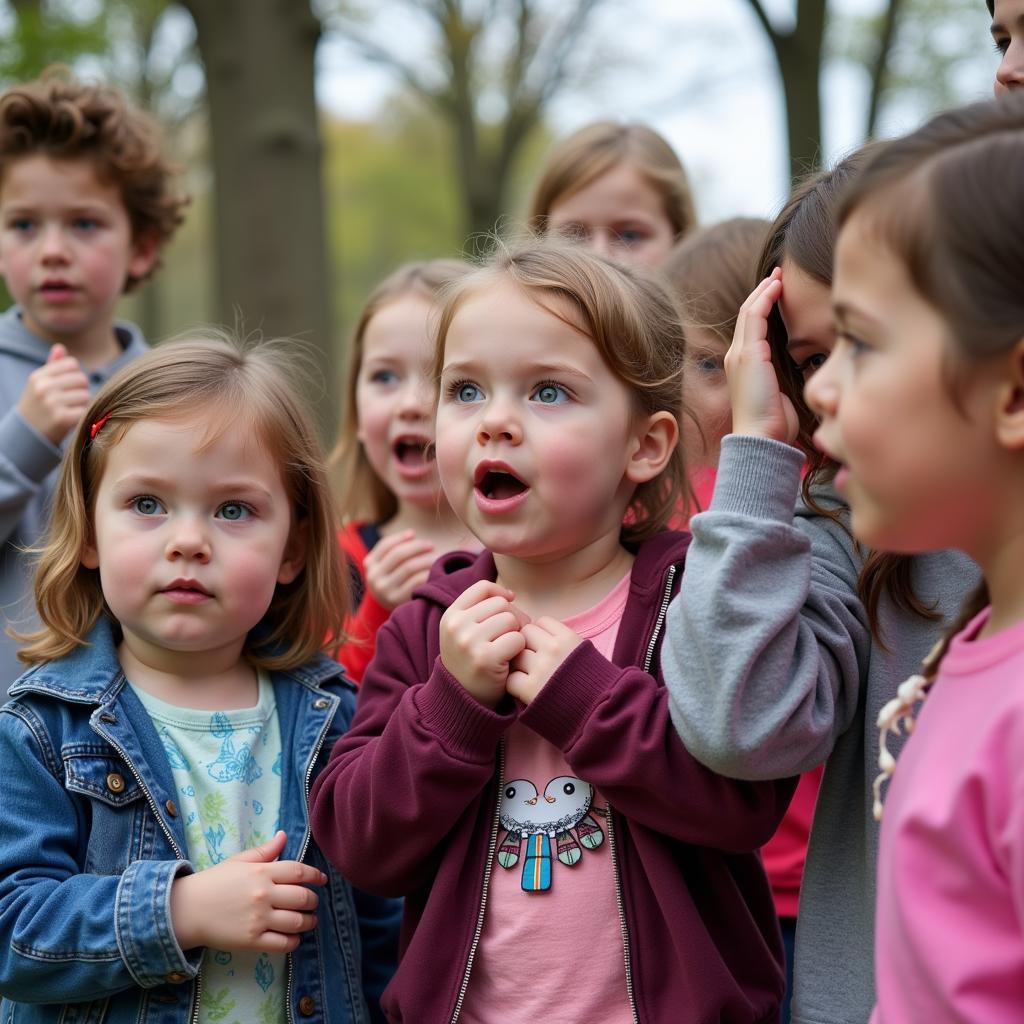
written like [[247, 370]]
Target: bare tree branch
[[880, 64]]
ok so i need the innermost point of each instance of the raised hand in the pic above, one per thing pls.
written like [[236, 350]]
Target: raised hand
[[396, 565], [251, 901], [55, 395], [759, 408], [548, 643], [481, 632]]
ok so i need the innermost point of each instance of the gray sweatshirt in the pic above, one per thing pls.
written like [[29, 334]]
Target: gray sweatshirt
[[28, 473], [772, 670]]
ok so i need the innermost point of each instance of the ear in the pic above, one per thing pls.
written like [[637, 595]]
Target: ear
[[293, 561], [1009, 411], [90, 556], [656, 438], [145, 251]]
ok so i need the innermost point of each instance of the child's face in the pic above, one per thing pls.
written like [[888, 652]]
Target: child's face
[[395, 400], [619, 214], [534, 432], [918, 472], [1008, 34], [66, 247], [706, 395], [806, 310], [191, 538]]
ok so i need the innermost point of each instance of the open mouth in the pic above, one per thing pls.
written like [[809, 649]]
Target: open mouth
[[500, 484], [186, 590], [413, 452]]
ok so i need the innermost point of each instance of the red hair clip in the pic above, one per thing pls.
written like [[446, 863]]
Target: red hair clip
[[95, 428]]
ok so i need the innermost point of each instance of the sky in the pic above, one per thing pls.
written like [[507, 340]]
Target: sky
[[699, 71]]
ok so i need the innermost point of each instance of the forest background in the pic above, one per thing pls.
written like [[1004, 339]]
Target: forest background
[[326, 141]]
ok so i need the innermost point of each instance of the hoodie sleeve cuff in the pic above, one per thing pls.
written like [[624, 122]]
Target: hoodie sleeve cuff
[[31, 454], [469, 729], [757, 477]]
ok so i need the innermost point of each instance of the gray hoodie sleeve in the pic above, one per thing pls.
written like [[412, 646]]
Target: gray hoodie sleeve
[[765, 638], [26, 459]]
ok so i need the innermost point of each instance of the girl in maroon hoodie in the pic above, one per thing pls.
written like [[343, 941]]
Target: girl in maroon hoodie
[[512, 768]]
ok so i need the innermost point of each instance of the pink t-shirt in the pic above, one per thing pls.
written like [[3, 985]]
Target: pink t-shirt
[[551, 948], [949, 937]]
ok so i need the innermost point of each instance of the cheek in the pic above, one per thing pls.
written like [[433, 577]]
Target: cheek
[[450, 446]]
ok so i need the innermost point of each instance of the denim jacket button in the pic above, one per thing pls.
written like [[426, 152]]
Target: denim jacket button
[[115, 782], [176, 978], [172, 808], [307, 1006], [320, 703]]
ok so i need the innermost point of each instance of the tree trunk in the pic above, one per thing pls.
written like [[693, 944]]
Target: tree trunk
[[800, 56], [271, 253]]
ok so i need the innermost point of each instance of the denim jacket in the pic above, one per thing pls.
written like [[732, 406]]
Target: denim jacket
[[91, 840]]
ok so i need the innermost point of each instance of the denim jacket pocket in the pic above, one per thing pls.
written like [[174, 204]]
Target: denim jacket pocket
[[115, 802]]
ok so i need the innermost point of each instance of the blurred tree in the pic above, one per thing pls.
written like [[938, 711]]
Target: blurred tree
[[799, 50], [271, 254], [37, 33], [498, 66]]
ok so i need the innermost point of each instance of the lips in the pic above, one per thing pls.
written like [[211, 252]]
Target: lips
[[57, 289], [412, 450], [498, 482], [186, 591]]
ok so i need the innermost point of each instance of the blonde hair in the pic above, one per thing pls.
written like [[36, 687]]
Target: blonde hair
[[585, 155], [631, 319], [219, 377], [359, 491]]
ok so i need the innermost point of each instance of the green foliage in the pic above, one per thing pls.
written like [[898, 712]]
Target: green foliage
[[35, 34]]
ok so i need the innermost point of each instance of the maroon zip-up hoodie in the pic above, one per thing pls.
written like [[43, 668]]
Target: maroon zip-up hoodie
[[409, 799]]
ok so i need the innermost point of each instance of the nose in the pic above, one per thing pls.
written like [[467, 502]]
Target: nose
[[499, 423], [600, 241], [415, 401], [53, 248], [1010, 73], [188, 540]]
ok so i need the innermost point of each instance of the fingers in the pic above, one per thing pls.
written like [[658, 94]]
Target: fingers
[[268, 851], [478, 592], [57, 351]]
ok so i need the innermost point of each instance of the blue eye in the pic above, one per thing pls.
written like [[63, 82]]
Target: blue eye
[[85, 223], [710, 364], [551, 394], [464, 391], [234, 511], [146, 505], [630, 236], [383, 377]]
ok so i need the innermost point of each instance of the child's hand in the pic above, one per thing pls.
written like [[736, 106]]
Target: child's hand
[[548, 643], [480, 635], [395, 566], [249, 901], [55, 395], [758, 406]]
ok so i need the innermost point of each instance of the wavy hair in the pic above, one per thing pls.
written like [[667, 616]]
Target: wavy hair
[[217, 379]]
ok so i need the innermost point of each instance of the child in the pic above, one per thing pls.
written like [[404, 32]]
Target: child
[[617, 188], [920, 403], [711, 272], [1008, 35], [787, 637], [396, 520], [512, 766], [156, 856], [87, 203]]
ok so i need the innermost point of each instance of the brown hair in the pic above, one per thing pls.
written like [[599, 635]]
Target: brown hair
[[947, 202], [635, 325], [805, 233], [360, 493], [714, 270], [65, 119], [223, 381], [585, 155]]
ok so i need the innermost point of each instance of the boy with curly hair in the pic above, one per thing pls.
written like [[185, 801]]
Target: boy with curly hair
[[87, 203]]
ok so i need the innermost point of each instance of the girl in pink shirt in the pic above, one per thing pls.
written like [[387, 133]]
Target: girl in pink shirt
[[922, 403]]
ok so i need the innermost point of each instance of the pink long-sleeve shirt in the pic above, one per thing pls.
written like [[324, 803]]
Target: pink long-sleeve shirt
[[950, 916]]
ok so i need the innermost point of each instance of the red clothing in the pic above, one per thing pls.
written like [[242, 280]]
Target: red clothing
[[369, 615], [784, 854], [410, 795]]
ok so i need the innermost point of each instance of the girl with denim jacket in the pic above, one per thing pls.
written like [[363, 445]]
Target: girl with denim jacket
[[156, 862]]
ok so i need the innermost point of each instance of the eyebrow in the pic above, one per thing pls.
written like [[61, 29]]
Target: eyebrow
[[145, 481], [842, 310], [534, 369]]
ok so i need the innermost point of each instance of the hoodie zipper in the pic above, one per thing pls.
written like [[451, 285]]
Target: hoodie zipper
[[666, 600], [491, 848]]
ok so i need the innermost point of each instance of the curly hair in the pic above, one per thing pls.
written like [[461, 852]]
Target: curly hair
[[60, 117]]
